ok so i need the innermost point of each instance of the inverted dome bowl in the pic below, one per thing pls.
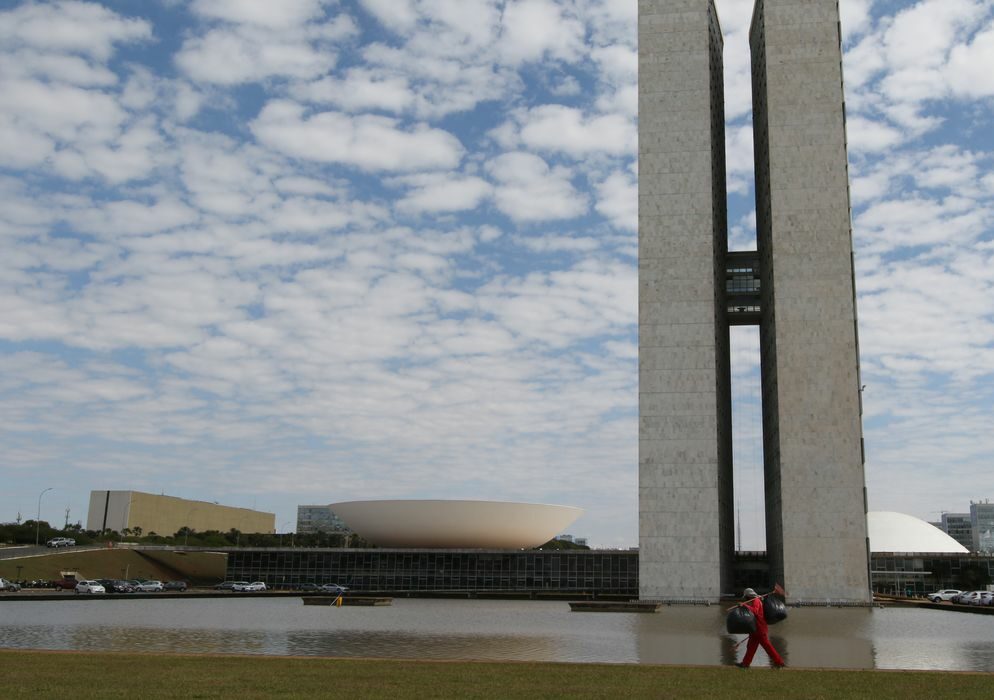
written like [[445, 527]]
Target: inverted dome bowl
[[444, 524]]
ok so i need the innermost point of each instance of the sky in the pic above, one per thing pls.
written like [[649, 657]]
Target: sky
[[271, 254]]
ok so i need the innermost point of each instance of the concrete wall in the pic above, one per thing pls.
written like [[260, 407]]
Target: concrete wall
[[165, 515], [815, 497], [685, 509], [108, 510]]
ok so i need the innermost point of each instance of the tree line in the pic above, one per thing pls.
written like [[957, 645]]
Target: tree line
[[25, 533]]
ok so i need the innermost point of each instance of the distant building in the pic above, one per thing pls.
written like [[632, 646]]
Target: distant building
[[982, 526], [959, 526], [313, 519], [165, 515]]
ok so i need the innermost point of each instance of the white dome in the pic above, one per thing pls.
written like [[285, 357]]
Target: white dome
[[897, 532], [455, 524]]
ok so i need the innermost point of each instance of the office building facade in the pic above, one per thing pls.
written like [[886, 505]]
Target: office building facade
[[797, 287], [165, 515], [959, 526], [314, 519], [982, 526]]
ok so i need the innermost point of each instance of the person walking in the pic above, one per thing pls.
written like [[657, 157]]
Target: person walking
[[760, 637]]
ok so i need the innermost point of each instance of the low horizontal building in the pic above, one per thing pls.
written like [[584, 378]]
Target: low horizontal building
[[166, 515], [442, 571]]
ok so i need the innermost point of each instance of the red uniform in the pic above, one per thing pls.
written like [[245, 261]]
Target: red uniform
[[759, 637]]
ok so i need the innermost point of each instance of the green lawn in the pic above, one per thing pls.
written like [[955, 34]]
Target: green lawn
[[38, 674]]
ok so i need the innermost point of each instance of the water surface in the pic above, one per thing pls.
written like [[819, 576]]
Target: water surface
[[896, 638]]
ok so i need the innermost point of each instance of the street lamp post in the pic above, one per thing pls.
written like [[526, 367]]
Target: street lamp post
[[38, 519]]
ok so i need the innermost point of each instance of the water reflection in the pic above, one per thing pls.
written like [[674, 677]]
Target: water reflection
[[406, 645], [499, 630]]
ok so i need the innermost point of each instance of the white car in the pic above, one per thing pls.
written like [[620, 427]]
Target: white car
[[57, 542], [969, 598], [149, 587], [6, 585], [249, 587], [942, 595], [89, 587]]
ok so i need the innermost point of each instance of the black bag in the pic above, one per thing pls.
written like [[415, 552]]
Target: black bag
[[740, 620], [774, 609]]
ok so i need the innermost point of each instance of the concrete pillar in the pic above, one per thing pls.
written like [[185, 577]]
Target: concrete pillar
[[685, 509], [815, 496]]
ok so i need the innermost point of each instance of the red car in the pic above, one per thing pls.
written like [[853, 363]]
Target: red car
[[68, 584]]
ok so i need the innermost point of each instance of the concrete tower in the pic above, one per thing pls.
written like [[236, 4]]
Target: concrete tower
[[798, 287]]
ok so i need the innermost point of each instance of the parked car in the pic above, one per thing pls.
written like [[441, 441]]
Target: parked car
[[174, 586], [945, 594], [966, 598], [149, 587], [333, 588], [228, 585], [61, 542], [249, 587], [308, 587], [90, 587], [67, 584], [986, 598], [10, 586]]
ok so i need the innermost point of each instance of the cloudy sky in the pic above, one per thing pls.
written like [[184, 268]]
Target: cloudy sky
[[279, 253]]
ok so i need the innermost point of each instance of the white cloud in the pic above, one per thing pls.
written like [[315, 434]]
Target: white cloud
[[909, 222], [532, 30], [739, 157], [855, 17], [617, 200], [64, 112], [367, 142], [230, 57], [562, 307], [396, 15], [969, 72], [528, 190], [74, 70], [262, 13], [434, 193], [360, 90], [558, 244], [618, 64], [127, 218], [869, 135], [735, 17], [565, 129], [71, 27]]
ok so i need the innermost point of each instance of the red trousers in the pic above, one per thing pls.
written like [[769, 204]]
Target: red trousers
[[755, 640]]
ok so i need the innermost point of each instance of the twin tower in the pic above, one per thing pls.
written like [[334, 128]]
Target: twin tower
[[797, 287]]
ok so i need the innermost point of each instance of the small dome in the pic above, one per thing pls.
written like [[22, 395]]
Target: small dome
[[897, 532]]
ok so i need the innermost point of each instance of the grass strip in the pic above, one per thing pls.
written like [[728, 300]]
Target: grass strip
[[83, 675]]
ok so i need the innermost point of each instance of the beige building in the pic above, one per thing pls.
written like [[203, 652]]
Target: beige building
[[165, 515]]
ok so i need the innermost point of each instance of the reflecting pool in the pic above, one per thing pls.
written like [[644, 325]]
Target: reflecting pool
[[896, 638]]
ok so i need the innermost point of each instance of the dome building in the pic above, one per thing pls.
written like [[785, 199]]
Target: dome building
[[897, 532]]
